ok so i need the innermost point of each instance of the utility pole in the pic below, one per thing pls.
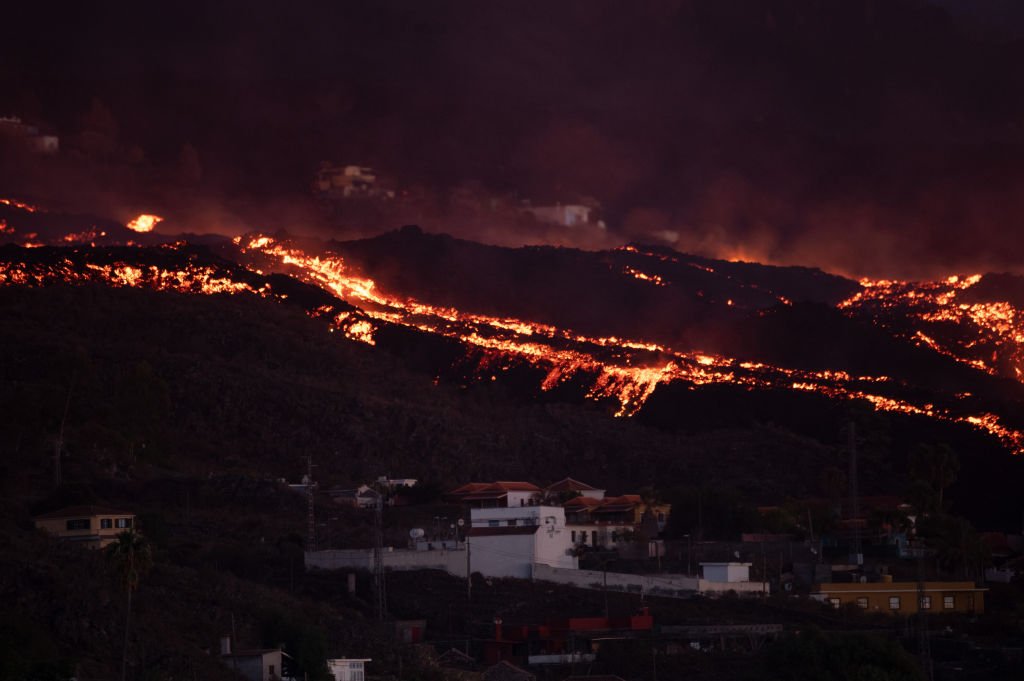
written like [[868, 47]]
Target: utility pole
[[924, 646], [856, 551], [59, 444], [311, 502], [379, 589], [469, 573]]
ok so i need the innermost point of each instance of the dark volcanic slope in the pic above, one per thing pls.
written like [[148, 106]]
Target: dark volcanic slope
[[509, 431], [633, 292]]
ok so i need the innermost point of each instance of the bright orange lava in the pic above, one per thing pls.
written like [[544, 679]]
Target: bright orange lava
[[18, 204], [144, 223], [624, 370]]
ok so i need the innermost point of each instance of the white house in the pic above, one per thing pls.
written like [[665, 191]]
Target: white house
[[567, 215], [394, 483], [571, 486], [500, 494], [509, 541], [348, 669], [263, 664], [363, 496]]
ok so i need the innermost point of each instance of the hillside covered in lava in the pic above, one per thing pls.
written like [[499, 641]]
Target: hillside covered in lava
[[683, 344]]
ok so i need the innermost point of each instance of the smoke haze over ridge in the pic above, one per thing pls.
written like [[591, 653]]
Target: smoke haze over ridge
[[867, 138]]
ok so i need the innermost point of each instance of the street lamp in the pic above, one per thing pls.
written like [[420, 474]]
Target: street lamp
[[688, 554]]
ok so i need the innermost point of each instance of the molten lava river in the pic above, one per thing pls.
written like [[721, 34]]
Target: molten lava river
[[627, 370]]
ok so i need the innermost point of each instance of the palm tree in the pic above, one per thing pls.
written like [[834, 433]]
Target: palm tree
[[936, 464], [132, 556]]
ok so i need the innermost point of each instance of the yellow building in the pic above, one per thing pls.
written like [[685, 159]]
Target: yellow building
[[901, 598], [93, 526]]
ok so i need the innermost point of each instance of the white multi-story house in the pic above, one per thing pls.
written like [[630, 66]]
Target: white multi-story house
[[508, 541], [348, 669]]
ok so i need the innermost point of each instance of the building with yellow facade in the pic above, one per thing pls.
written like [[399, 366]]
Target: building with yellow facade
[[92, 526], [904, 598]]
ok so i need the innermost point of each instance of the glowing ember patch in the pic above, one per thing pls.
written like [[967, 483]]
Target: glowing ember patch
[[361, 331], [642, 276], [144, 223], [19, 205], [83, 237]]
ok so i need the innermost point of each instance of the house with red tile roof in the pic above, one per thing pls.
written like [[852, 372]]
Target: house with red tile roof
[[500, 494], [569, 487]]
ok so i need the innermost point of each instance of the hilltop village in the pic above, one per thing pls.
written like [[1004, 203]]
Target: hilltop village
[[448, 581]]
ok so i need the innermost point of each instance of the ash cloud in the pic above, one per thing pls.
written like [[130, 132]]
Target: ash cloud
[[870, 138]]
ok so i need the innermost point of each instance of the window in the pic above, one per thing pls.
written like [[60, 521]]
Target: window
[[513, 522], [573, 536], [970, 602], [948, 602], [493, 523], [357, 675], [926, 602], [593, 537], [862, 602], [123, 522], [270, 668], [894, 602], [78, 524], [834, 602], [106, 523]]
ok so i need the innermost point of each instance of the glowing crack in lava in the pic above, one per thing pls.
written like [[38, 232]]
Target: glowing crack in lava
[[144, 223], [625, 370]]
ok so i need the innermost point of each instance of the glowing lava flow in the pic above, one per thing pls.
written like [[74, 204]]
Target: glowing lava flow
[[144, 223], [18, 204], [988, 336], [190, 279], [625, 370]]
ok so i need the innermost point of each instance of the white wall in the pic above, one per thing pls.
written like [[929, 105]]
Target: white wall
[[666, 584], [451, 561], [518, 499], [503, 555], [726, 572], [658, 585], [481, 517], [553, 546]]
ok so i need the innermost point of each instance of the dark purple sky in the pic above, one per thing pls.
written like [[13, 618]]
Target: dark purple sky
[[868, 136]]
